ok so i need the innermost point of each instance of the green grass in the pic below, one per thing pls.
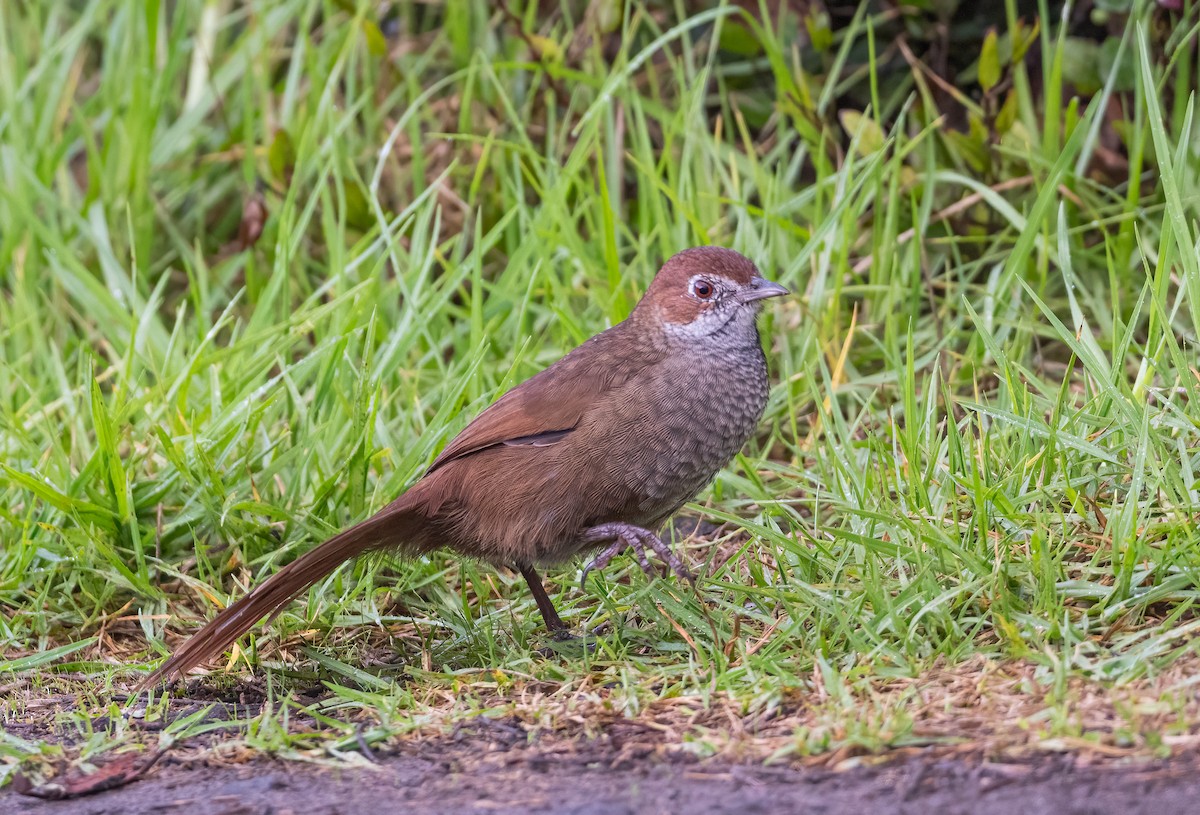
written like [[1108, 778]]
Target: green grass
[[983, 433]]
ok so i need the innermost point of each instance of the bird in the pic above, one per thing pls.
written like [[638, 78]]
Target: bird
[[590, 455]]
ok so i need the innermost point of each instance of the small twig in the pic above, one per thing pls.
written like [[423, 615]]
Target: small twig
[[363, 747], [949, 212], [915, 62]]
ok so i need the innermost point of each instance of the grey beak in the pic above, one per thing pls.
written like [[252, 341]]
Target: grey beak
[[760, 289]]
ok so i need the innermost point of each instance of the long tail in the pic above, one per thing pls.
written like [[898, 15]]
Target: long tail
[[394, 526]]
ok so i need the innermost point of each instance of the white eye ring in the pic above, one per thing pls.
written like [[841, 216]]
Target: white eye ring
[[702, 289]]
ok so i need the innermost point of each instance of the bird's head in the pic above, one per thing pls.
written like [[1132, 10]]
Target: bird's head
[[708, 292]]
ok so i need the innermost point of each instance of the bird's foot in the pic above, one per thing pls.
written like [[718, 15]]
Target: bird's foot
[[628, 536]]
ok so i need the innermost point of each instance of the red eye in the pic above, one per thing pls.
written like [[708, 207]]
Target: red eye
[[702, 289]]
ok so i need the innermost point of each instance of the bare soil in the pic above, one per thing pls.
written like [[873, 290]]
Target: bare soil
[[476, 772], [979, 736]]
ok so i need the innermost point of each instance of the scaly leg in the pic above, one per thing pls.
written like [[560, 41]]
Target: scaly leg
[[636, 538], [558, 628]]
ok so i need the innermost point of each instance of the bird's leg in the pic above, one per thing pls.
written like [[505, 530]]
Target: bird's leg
[[558, 628], [633, 537]]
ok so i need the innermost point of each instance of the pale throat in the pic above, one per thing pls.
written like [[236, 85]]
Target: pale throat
[[713, 328]]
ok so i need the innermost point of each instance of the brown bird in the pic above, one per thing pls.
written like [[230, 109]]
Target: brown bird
[[595, 452]]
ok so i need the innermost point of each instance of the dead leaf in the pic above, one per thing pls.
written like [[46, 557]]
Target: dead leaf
[[254, 217], [118, 772]]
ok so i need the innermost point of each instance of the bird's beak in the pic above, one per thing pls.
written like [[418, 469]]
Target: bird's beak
[[760, 289]]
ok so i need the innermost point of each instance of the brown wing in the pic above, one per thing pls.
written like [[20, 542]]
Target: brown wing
[[544, 409]]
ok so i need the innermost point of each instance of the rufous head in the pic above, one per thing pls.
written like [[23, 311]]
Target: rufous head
[[708, 291]]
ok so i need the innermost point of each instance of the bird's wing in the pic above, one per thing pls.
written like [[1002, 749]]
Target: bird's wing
[[544, 409]]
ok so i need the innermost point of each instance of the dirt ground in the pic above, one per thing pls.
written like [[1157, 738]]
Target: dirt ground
[[473, 774], [977, 748]]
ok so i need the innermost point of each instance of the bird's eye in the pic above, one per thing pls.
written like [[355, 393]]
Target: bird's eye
[[702, 289]]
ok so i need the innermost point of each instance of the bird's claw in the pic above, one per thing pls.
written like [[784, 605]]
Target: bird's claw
[[601, 560], [635, 538]]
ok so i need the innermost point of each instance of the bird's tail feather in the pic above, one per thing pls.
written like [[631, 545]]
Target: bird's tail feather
[[394, 526]]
